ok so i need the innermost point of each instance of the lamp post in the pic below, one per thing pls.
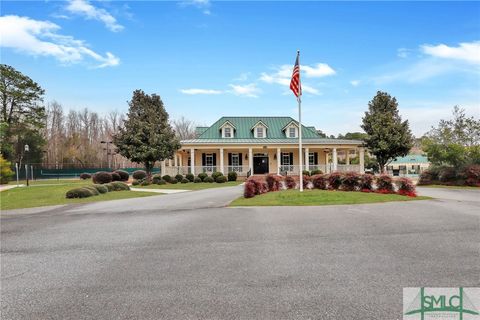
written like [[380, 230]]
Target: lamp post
[[107, 143], [27, 149]]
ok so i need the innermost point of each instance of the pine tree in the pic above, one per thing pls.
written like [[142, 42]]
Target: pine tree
[[388, 136], [147, 136]]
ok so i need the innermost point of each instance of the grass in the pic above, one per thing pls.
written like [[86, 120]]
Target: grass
[[318, 198], [38, 196], [449, 187], [191, 185], [51, 181]]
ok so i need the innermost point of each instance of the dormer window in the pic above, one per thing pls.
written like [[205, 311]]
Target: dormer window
[[259, 132], [259, 129], [227, 129], [227, 132], [292, 132]]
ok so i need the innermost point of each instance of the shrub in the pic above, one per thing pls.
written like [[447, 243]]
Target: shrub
[[290, 182], [120, 186], [135, 183], [250, 189], [139, 174], [156, 178], [273, 182], [173, 181], [306, 182], [350, 181], [109, 186], [447, 174], [221, 179], [428, 177], [315, 172], [232, 176], [102, 177], [202, 176], [335, 180], [79, 193], [85, 176], [208, 179], [366, 182], [124, 176], [260, 187], [406, 187], [190, 177], [184, 180], [145, 183], [161, 182], [197, 180], [471, 174], [92, 189], [179, 177], [167, 178], [101, 188], [115, 176], [306, 173], [384, 184], [6, 172], [216, 174], [319, 181]]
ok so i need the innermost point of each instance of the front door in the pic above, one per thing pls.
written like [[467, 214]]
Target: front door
[[260, 164]]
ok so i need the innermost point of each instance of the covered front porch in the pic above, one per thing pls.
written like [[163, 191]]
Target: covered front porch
[[255, 160]]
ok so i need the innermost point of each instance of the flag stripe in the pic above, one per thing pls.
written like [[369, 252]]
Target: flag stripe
[[295, 84]]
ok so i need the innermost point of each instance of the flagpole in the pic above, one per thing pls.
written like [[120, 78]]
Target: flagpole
[[300, 162]]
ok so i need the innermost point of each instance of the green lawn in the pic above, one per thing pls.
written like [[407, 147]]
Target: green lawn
[[449, 187], [38, 196], [318, 198], [191, 185], [51, 181]]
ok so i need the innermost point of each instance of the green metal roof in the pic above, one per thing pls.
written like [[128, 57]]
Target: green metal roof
[[244, 125], [264, 141], [411, 158], [200, 130]]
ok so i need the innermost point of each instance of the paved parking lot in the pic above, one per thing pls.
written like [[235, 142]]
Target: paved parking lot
[[186, 256]]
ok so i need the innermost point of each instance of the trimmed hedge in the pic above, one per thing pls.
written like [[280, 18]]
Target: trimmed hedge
[[145, 183], [92, 189], [78, 193], [116, 176], [319, 181], [315, 172], [135, 183], [405, 187], [250, 189], [167, 178], [202, 176], [366, 182], [124, 176], [232, 176], [156, 178], [102, 177], [185, 180], [197, 180], [85, 176], [190, 177], [179, 177], [221, 179], [274, 182], [101, 188], [350, 181], [120, 186], [208, 179], [216, 174], [139, 174], [173, 181], [109, 186], [290, 183], [467, 175], [335, 180], [384, 184]]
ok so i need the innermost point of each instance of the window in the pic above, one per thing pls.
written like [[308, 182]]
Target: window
[[311, 159], [235, 159], [209, 160], [259, 132], [227, 132], [286, 159], [291, 132]]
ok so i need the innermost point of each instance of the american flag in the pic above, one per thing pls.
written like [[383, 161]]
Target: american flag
[[295, 84]]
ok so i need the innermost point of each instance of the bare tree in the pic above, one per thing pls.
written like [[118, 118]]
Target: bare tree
[[184, 128]]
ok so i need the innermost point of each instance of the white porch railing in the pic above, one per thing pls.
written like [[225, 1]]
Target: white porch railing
[[183, 170]]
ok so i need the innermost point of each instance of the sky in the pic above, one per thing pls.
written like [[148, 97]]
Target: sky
[[208, 59]]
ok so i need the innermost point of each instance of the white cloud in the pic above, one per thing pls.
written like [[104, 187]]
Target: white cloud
[[86, 9], [40, 38], [318, 70], [355, 83], [403, 52], [203, 5], [249, 90], [243, 76], [467, 51], [200, 91]]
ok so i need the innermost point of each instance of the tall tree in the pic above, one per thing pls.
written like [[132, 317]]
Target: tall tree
[[22, 115], [388, 136], [147, 136]]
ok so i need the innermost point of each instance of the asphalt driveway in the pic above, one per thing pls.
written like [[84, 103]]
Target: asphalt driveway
[[186, 256]]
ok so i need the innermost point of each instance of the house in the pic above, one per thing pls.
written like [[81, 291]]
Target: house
[[262, 145], [410, 165]]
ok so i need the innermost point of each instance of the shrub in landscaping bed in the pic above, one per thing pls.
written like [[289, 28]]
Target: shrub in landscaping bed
[[406, 187], [319, 181], [447, 175], [101, 188], [102, 177], [79, 193], [156, 178], [197, 180], [145, 183], [167, 178], [232, 176], [202, 176], [216, 174], [120, 186], [384, 184], [190, 177], [290, 182], [274, 182], [208, 179], [221, 179], [116, 176], [92, 189], [109, 186], [315, 172], [139, 174], [179, 177], [307, 182], [335, 180], [250, 189], [161, 182], [428, 177], [261, 187], [471, 175], [85, 176], [135, 183], [350, 181], [306, 172], [124, 176], [185, 180], [366, 182], [173, 181]]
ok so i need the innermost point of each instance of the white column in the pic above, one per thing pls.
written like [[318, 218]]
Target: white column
[[327, 165], [192, 161], [221, 161], [175, 159], [334, 159], [180, 157], [250, 160], [162, 167], [279, 160], [307, 164], [347, 157], [361, 157]]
